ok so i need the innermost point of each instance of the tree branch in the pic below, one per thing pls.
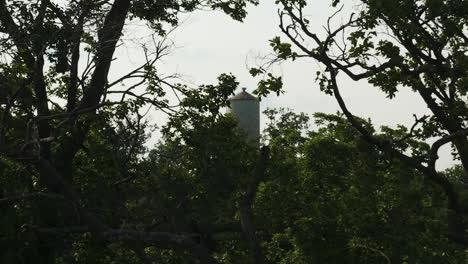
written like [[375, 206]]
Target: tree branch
[[108, 35], [431, 173], [442, 141]]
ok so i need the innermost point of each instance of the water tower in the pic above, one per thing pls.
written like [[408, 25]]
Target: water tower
[[246, 109]]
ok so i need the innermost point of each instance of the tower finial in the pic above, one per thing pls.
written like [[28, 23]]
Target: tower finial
[[243, 89]]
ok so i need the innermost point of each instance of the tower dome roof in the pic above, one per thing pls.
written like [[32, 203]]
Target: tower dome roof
[[243, 96]]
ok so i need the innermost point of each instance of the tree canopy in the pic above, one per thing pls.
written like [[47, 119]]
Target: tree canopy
[[68, 131], [413, 45], [79, 184]]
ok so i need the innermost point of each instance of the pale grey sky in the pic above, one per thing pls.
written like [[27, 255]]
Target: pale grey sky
[[209, 43]]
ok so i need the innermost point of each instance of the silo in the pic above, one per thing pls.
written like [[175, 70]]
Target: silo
[[246, 109]]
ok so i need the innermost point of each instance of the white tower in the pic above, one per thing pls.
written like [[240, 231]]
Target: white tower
[[246, 109]]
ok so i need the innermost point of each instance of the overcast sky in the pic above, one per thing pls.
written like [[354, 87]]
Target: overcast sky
[[209, 43]]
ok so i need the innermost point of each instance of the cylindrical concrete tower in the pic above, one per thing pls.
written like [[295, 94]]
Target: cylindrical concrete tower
[[246, 109]]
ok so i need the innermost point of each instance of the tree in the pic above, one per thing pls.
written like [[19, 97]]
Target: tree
[[79, 185], [69, 135], [424, 48], [331, 197]]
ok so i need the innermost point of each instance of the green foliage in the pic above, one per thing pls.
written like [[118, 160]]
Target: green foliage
[[282, 50], [159, 12], [270, 84], [417, 45], [256, 71], [361, 44], [342, 201], [328, 196], [55, 53], [234, 8]]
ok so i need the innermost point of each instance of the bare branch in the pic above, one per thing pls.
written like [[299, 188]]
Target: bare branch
[[417, 121]]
